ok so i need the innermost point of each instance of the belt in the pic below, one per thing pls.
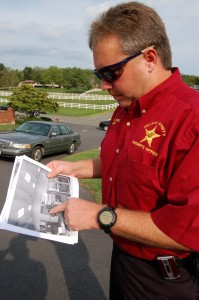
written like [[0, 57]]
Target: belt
[[169, 266]]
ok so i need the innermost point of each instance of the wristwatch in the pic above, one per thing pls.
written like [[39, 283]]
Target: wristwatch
[[106, 218]]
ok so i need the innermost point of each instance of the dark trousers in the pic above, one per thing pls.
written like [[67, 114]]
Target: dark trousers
[[135, 279]]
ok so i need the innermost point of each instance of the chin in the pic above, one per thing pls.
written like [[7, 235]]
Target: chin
[[125, 104]]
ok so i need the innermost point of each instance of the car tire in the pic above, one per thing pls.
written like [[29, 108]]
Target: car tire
[[71, 149], [37, 153], [105, 128]]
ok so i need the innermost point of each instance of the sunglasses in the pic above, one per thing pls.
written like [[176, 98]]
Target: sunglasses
[[113, 72]]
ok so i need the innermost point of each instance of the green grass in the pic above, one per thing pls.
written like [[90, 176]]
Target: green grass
[[80, 112], [94, 185]]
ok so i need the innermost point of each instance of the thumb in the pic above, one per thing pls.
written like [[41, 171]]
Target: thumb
[[52, 174]]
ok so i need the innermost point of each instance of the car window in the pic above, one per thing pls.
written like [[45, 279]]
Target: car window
[[64, 129], [34, 128], [56, 129], [44, 129], [26, 127]]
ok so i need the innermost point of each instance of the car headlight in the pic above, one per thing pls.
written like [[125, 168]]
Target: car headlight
[[20, 146]]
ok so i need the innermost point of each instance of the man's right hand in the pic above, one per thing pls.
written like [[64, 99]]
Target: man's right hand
[[61, 167]]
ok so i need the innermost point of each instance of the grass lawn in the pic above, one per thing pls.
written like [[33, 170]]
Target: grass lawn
[[75, 112]]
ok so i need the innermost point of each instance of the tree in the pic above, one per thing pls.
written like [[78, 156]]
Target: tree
[[76, 78], [52, 75], [2, 67], [8, 78], [27, 71], [37, 74], [27, 98]]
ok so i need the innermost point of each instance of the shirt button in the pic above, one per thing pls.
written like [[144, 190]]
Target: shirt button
[[128, 124], [143, 111], [117, 151], [111, 178]]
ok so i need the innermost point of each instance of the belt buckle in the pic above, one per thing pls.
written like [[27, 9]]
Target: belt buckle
[[168, 267]]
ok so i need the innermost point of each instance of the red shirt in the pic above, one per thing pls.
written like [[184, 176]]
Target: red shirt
[[150, 162]]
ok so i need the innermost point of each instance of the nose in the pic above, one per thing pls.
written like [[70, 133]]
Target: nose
[[106, 85]]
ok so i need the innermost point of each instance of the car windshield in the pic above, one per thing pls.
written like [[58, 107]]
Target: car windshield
[[34, 128]]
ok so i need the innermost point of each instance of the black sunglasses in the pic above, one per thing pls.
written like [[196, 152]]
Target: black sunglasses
[[113, 72]]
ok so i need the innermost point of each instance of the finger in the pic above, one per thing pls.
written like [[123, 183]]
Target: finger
[[52, 174], [57, 209]]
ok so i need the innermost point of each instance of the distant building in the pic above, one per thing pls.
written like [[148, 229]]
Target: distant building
[[29, 82], [35, 84]]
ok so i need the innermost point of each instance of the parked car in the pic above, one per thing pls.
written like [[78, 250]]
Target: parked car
[[4, 107], [104, 124], [22, 114], [36, 139]]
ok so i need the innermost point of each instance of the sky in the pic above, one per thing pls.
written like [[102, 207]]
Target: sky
[[43, 33]]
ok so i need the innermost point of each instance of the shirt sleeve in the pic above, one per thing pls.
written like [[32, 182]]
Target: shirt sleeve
[[179, 217]]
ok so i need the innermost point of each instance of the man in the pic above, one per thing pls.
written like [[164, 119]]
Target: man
[[148, 163]]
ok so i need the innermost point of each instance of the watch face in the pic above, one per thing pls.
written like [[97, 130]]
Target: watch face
[[106, 217]]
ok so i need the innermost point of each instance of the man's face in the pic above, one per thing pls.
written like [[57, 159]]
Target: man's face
[[130, 85]]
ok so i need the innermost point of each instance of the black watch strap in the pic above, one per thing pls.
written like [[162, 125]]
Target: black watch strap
[[106, 218]]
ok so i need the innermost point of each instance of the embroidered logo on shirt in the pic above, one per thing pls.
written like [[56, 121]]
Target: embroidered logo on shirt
[[150, 135], [153, 131]]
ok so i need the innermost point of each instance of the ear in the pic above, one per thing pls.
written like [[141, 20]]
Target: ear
[[150, 57]]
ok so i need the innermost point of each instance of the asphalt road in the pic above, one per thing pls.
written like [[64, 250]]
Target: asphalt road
[[37, 269]]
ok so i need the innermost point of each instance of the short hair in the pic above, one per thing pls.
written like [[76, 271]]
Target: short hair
[[138, 26]]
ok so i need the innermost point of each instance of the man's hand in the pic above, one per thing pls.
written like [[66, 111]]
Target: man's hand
[[90, 168], [61, 167], [79, 214]]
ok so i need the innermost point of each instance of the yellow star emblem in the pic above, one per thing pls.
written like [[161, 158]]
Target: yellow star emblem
[[150, 135]]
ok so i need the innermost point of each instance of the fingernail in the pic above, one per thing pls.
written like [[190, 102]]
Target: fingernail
[[52, 214]]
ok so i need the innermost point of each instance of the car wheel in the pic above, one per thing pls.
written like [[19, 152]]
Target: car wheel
[[105, 128], [71, 148], [37, 153]]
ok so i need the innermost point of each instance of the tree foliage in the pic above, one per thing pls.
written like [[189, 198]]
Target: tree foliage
[[27, 98], [68, 78], [190, 79]]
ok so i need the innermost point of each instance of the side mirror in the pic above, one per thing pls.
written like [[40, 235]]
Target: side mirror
[[53, 134]]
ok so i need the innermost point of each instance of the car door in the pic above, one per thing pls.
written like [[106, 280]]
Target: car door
[[67, 135], [55, 143]]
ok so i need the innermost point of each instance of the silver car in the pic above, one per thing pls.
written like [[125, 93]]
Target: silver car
[[36, 139]]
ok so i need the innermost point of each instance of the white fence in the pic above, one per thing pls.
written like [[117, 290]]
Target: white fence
[[5, 93], [84, 96], [69, 96], [3, 100], [65, 96], [88, 106]]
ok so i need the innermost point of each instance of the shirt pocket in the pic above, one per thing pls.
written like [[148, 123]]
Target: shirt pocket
[[140, 186]]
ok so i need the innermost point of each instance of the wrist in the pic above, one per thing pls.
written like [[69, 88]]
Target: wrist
[[106, 219]]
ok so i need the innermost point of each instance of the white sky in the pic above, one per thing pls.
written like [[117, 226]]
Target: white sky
[[55, 32]]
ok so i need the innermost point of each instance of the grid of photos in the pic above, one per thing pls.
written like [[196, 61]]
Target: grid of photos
[[30, 197]]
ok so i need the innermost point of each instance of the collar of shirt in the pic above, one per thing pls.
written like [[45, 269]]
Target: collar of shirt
[[169, 84]]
